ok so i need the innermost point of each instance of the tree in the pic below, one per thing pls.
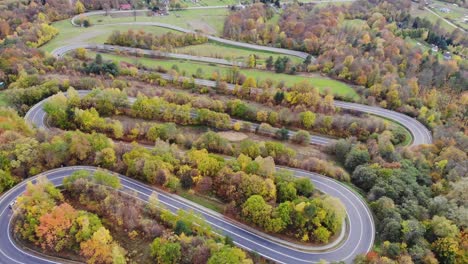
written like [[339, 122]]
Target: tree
[[100, 247], [304, 187], [442, 227], [6, 181], [182, 227], [446, 249], [256, 210], [286, 191], [301, 137], [106, 157], [308, 119], [79, 7], [54, 228], [252, 63], [166, 252], [269, 63], [279, 97], [322, 234], [282, 133], [357, 156], [229, 255]]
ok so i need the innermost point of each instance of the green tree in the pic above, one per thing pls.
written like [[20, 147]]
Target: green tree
[[357, 156], [166, 252], [304, 186], [308, 119], [182, 227], [322, 234], [257, 211], [229, 255], [301, 137], [286, 191]]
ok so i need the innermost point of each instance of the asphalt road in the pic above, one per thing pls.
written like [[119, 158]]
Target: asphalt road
[[421, 135], [358, 239], [299, 54], [37, 117]]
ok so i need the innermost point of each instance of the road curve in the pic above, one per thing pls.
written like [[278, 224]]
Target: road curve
[[37, 117], [420, 133], [60, 51], [358, 239], [295, 53]]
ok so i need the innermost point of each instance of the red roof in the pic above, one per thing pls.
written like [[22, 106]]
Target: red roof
[[125, 6]]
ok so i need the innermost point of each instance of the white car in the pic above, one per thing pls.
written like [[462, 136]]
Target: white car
[[12, 204]]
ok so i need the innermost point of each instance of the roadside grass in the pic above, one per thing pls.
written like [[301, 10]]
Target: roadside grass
[[201, 200], [207, 20], [190, 68]]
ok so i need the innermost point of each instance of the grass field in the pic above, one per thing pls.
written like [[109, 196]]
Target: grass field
[[210, 2], [3, 100], [218, 50], [190, 68], [68, 34], [455, 15], [210, 21]]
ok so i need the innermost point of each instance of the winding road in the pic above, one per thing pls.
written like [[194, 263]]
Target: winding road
[[360, 231]]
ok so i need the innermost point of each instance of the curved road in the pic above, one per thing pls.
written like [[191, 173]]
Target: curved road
[[37, 116], [299, 54], [359, 237], [359, 240], [361, 232], [421, 135]]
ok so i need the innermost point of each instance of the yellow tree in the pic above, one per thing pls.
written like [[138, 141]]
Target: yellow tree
[[79, 8], [101, 248]]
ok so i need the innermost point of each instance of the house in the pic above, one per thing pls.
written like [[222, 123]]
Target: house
[[125, 7], [434, 48], [447, 56], [444, 10]]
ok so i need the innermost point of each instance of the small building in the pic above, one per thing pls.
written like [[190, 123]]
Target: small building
[[444, 10], [447, 56], [434, 48], [125, 7]]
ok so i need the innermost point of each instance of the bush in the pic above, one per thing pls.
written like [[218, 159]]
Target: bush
[[301, 137]]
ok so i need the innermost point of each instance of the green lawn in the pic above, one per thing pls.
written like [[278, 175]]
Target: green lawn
[[190, 68], [68, 34], [210, 2], [98, 34], [210, 21], [218, 50], [326, 3], [455, 15], [3, 100]]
